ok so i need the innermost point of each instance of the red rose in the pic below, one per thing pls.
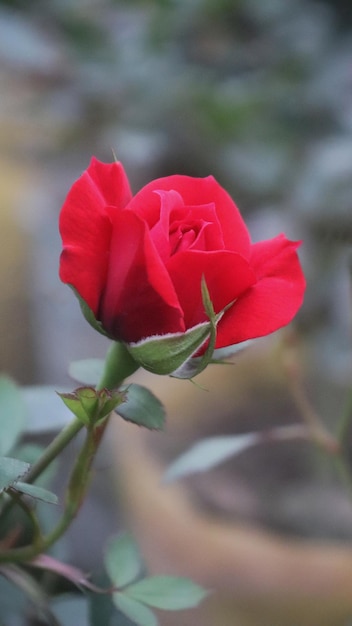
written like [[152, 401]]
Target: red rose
[[138, 261]]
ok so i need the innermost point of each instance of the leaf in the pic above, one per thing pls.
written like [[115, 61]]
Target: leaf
[[38, 493], [135, 611], [142, 407], [122, 560], [12, 599], [45, 410], [11, 470], [24, 581], [12, 414], [208, 453], [70, 610], [101, 607], [166, 353], [167, 592], [30, 453], [87, 371], [31, 588]]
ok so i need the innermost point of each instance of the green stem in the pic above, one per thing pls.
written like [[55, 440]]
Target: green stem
[[53, 450], [118, 365], [50, 453], [37, 535], [74, 496]]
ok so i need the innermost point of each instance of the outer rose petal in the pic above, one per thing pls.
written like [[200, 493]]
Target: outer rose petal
[[273, 301], [197, 191], [85, 228], [227, 276], [139, 299]]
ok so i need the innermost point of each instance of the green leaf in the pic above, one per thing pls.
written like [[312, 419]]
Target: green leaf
[[122, 560], [70, 610], [167, 592], [135, 611], [12, 599], [142, 407], [166, 353], [208, 453], [30, 453], [101, 608], [36, 492], [30, 587], [12, 414], [87, 371], [46, 412], [11, 470]]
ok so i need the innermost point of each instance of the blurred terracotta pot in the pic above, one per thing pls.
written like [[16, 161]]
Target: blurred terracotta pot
[[258, 576]]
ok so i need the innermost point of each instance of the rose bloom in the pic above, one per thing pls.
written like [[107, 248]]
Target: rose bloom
[[138, 261]]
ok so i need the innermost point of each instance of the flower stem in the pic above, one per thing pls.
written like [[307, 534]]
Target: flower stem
[[118, 365]]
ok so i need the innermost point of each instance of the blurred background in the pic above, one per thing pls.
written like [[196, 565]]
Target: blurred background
[[257, 93]]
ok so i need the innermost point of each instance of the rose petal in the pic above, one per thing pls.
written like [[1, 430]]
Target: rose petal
[[85, 228], [273, 301], [197, 191], [139, 299], [183, 227], [227, 276]]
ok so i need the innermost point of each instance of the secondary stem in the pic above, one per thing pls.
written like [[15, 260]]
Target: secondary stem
[[74, 496], [54, 448], [118, 365]]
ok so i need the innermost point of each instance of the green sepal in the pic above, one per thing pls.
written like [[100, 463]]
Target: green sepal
[[91, 405], [119, 364], [89, 315], [194, 366], [164, 354]]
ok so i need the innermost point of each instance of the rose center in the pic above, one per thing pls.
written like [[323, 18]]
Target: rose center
[[182, 237]]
